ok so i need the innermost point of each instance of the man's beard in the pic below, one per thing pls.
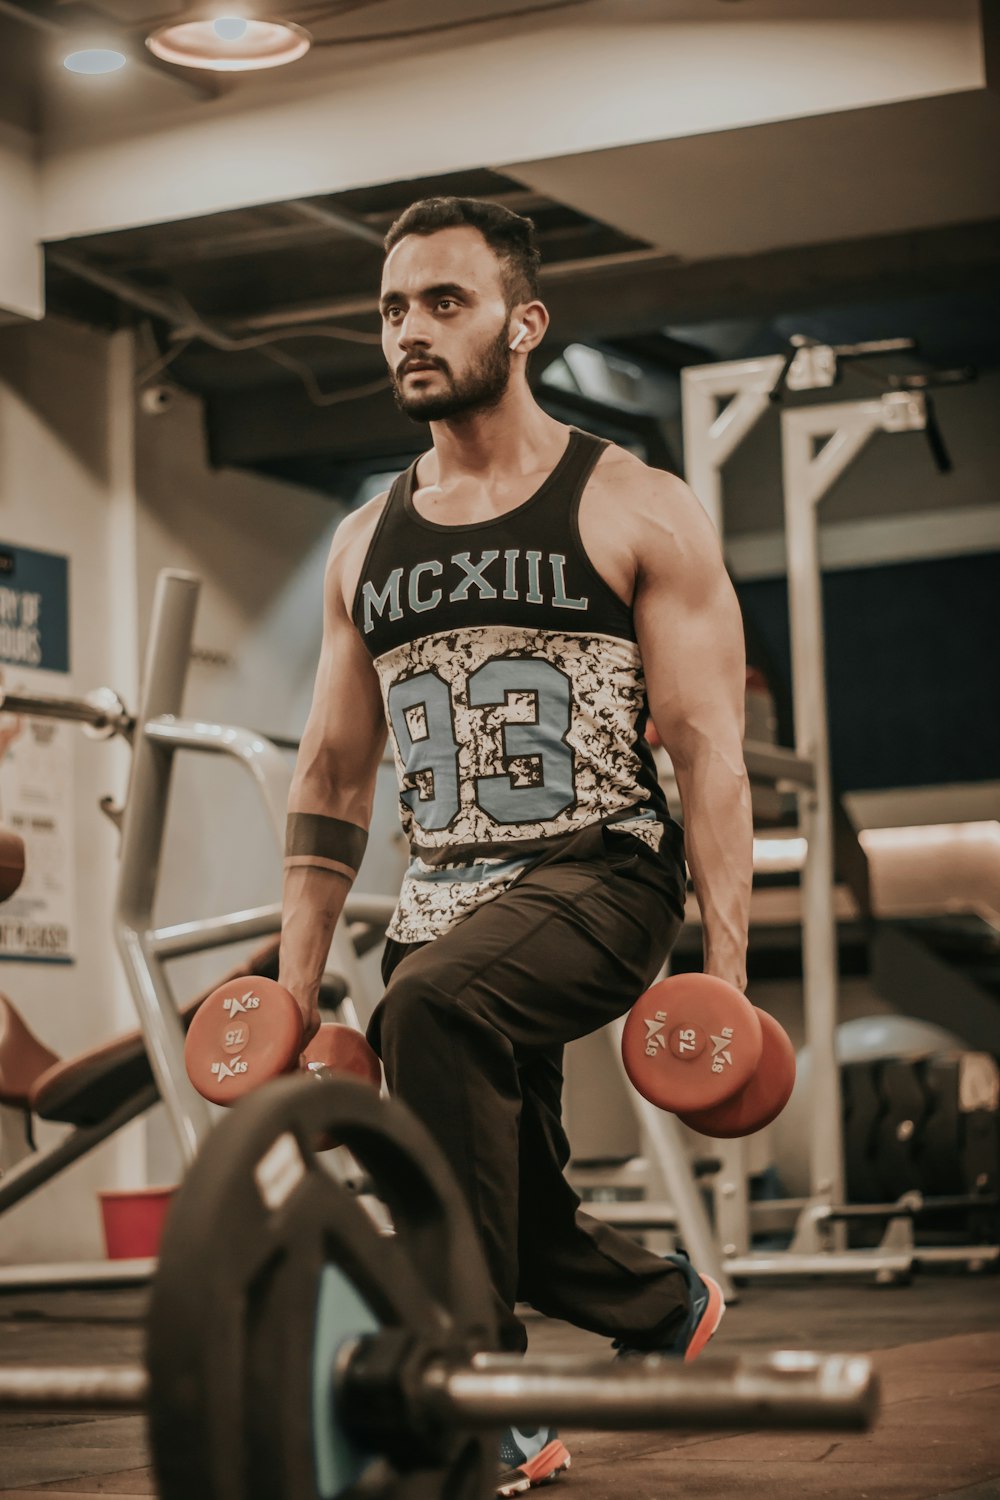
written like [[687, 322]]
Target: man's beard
[[479, 389]]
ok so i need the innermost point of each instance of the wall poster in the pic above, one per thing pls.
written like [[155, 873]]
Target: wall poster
[[36, 756]]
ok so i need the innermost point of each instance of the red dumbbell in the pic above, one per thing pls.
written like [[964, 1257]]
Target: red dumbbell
[[690, 1042], [341, 1049], [250, 1030], [763, 1098]]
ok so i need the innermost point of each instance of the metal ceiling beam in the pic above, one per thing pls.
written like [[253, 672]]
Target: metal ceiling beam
[[30, 18], [117, 286], [359, 306], [635, 291], [219, 245], [270, 238], [337, 218], [518, 200], [182, 324]]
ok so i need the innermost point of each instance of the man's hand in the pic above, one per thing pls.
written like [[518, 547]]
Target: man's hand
[[310, 1019]]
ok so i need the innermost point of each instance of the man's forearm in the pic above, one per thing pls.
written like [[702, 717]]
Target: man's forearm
[[718, 839], [323, 853], [312, 902]]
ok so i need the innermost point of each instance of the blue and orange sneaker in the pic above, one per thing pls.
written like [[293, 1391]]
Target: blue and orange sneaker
[[707, 1307], [530, 1458]]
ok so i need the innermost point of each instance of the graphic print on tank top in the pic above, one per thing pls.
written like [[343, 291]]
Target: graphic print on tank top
[[513, 689]]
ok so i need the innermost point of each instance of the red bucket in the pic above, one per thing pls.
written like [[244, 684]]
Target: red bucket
[[133, 1221]]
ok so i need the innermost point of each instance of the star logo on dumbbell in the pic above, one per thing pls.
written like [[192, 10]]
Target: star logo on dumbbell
[[720, 1047], [250, 1001], [230, 1069], [653, 1030]]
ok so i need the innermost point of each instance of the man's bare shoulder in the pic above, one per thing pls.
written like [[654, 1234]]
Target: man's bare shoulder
[[351, 541], [358, 526], [644, 495]]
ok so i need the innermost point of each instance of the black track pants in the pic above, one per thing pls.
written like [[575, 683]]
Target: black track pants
[[471, 1031]]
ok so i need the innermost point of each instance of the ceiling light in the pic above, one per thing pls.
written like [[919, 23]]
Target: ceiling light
[[230, 28], [95, 60], [230, 44]]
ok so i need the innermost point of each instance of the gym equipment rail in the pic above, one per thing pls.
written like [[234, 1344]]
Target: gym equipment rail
[[818, 443]]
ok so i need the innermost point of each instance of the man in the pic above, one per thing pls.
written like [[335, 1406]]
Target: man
[[513, 609]]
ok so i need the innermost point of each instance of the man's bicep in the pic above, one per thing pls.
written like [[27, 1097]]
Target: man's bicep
[[690, 635], [345, 733], [348, 700]]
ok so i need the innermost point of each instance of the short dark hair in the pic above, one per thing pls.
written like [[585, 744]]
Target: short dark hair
[[510, 236]]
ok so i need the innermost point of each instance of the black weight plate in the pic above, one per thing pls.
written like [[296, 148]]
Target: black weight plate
[[899, 1129], [862, 1109], [268, 1264], [941, 1154]]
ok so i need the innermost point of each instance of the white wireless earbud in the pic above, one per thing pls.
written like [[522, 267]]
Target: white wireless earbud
[[521, 336]]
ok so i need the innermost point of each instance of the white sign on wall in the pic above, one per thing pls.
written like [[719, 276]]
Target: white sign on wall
[[36, 756]]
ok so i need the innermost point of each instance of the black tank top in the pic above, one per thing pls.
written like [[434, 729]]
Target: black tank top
[[513, 690]]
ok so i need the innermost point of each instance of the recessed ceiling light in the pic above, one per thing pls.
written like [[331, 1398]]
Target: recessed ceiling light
[[230, 44], [230, 28], [95, 60]]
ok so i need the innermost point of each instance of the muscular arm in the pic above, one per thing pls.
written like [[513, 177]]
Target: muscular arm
[[691, 638], [334, 773]]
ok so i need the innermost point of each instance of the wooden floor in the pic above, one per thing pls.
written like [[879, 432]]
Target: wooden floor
[[935, 1342]]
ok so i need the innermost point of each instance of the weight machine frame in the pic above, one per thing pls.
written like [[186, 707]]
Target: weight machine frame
[[157, 735], [842, 430]]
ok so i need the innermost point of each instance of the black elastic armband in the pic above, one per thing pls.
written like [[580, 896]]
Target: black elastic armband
[[325, 843]]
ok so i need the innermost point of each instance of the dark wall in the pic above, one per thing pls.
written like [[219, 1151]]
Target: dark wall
[[913, 668]]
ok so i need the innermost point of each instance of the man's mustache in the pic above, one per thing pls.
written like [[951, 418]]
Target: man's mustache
[[417, 359]]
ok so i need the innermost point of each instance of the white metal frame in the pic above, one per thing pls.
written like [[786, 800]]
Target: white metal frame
[[159, 735], [844, 429], [711, 434]]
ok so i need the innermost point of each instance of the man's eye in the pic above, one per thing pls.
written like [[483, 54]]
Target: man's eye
[[447, 302], [389, 313]]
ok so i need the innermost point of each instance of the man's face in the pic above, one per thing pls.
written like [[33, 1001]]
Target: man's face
[[445, 325]]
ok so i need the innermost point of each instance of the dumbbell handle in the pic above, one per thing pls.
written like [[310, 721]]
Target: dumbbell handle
[[780, 1390]]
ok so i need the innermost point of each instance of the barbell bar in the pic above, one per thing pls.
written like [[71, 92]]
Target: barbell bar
[[785, 1389]]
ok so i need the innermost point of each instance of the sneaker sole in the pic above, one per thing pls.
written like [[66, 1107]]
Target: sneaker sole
[[547, 1465], [709, 1320]]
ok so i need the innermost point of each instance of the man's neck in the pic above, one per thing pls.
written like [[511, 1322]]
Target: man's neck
[[510, 440]]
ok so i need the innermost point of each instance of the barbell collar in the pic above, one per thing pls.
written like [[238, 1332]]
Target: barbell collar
[[786, 1390], [73, 1387]]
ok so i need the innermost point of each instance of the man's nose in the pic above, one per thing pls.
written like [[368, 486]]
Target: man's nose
[[414, 331]]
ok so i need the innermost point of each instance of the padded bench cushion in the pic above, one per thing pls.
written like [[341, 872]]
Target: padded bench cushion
[[23, 1058]]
